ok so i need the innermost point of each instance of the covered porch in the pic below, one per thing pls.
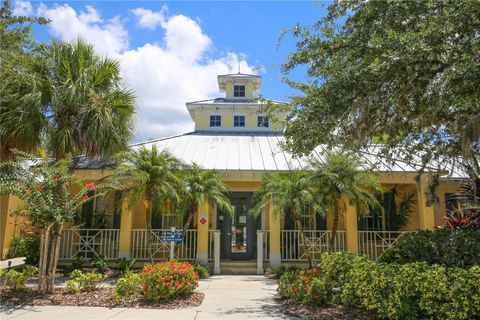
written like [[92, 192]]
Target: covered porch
[[266, 239]]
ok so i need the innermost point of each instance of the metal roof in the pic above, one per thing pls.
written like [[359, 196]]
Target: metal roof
[[233, 151]]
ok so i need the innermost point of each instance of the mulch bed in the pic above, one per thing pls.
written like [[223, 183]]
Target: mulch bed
[[99, 298], [324, 313]]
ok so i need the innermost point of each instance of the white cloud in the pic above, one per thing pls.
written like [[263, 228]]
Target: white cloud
[[109, 37], [22, 8], [163, 76], [149, 19]]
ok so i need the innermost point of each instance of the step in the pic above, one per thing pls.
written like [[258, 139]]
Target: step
[[245, 267]]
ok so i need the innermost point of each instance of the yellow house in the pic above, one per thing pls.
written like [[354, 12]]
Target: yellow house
[[236, 137]]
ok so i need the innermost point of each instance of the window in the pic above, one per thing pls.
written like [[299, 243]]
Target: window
[[239, 121], [215, 121], [238, 91], [102, 212], [262, 122]]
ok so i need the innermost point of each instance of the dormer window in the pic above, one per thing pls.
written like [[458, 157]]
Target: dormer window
[[215, 121], [262, 122], [239, 121], [238, 91]]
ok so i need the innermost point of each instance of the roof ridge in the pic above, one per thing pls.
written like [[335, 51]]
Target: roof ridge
[[161, 139]]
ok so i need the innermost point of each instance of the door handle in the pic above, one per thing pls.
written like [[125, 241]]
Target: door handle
[[229, 234]]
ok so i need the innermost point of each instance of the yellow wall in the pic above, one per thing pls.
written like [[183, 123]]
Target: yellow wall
[[202, 120]]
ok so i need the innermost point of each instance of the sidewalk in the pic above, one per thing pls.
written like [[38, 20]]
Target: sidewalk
[[226, 297]]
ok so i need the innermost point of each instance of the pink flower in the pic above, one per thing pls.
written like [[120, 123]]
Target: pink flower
[[85, 197], [90, 185]]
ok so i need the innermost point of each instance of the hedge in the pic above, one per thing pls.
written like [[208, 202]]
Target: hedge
[[391, 291]]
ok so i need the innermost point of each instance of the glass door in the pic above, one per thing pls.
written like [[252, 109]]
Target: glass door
[[238, 237], [238, 230]]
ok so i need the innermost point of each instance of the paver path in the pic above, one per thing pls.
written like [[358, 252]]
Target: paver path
[[226, 297]]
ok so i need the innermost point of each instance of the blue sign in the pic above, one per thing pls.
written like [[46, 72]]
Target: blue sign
[[169, 236]]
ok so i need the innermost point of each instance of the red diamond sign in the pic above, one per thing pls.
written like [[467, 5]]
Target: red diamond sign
[[203, 220]]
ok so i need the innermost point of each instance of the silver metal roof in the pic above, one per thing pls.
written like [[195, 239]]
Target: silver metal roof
[[223, 151]]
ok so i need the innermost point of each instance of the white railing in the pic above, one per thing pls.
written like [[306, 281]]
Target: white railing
[[211, 244], [317, 242], [374, 243], [161, 247], [89, 243], [266, 247]]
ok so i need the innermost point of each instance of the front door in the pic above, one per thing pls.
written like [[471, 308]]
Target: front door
[[238, 230]]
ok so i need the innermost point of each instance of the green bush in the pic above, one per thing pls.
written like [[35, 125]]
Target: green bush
[[277, 272], [79, 263], [166, 280], [125, 264], [17, 279], [202, 270], [448, 247], [80, 281], [127, 287], [100, 263], [389, 290], [307, 287], [28, 247]]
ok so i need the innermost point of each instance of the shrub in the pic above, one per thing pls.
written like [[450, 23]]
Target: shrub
[[307, 287], [127, 287], [100, 263], [28, 247], [391, 291], [17, 279], [202, 270], [166, 280], [124, 264], [80, 281], [79, 263], [277, 272], [448, 247]]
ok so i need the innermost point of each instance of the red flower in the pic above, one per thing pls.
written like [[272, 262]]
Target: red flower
[[85, 197], [56, 176], [90, 185]]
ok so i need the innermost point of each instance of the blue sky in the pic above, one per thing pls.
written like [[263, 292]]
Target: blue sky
[[170, 52]]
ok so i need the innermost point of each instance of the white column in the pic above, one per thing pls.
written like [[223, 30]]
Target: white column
[[172, 244], [216, 252], [260, 252]]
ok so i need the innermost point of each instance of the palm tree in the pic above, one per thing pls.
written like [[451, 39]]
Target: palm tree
[[80, 96], [291, 193], [73, 104], [198, 186], [344, 174], [150, 176]]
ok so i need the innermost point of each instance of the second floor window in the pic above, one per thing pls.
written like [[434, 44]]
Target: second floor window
[[215, 121], [238, 91], [262, 122], [239, 121]]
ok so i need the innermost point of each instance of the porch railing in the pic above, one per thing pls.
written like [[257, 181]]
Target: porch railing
[[185, 250], [316, 242], [89, 243], [374, 243]]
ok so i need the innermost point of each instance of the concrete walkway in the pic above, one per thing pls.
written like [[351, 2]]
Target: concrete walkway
[[226, 297]]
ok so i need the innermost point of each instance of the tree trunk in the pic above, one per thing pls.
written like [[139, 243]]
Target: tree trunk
[[56, 236], [335, 226], [43, 263], [149, 230], [191, 213], [302, 235]]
